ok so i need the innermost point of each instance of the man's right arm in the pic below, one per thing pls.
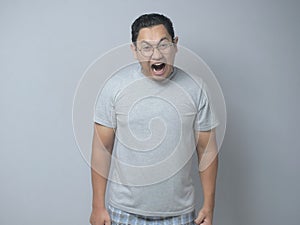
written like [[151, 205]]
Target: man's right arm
[[103, 141]]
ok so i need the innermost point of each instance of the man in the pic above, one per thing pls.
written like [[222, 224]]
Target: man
[[150, 117]]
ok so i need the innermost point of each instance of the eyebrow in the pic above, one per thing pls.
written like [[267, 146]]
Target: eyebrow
[[162, 39]]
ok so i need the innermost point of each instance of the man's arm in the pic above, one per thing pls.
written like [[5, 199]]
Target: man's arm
[[207, 151], [103, 141]]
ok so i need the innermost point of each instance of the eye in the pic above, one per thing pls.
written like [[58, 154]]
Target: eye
[[163, 46], [146, 48]]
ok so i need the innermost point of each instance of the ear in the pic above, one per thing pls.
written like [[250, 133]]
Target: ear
[[133, 49], [175, 42]]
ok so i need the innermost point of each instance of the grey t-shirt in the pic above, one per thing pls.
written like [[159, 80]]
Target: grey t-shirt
[[155, 124]]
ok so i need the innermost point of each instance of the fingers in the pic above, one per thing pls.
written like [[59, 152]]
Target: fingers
[[107, 222], [200, 218], [100, 217], [101, 223]]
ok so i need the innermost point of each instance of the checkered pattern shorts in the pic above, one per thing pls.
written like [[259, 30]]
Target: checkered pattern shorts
[[119, 217]]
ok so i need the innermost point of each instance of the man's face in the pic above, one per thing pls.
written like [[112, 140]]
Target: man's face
[[155, 51]]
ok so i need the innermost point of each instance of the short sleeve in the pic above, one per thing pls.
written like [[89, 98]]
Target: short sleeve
[[205, 119], [104, 112]]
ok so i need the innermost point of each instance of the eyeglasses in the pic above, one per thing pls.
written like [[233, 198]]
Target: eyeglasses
[[147, 50]]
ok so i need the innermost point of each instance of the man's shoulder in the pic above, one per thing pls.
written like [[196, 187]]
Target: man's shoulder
[[127, 72], [189, 81], [123, 76]]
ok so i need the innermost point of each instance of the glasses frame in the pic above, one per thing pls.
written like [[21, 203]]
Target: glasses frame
[[151, 52]]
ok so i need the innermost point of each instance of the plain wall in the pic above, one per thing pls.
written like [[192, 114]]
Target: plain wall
[[253, 49]]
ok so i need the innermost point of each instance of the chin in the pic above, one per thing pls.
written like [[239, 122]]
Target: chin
[[158, 78]]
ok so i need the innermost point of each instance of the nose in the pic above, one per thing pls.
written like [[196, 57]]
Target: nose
[[156, 54]]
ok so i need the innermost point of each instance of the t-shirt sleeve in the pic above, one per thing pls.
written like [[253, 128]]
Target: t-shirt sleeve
[[205, 118], [104, 112]]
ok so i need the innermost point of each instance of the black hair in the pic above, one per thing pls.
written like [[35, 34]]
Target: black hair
[[149, 20]]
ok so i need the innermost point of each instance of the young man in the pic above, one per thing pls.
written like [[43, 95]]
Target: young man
[[151, 116]]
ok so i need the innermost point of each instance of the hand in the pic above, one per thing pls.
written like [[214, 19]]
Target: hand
[[204, 217], [100, 217]]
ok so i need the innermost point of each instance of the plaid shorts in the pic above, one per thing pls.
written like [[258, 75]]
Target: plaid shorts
[[119, 217]]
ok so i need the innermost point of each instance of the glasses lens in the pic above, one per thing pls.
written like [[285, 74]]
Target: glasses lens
[[163, 47], [148, 50]]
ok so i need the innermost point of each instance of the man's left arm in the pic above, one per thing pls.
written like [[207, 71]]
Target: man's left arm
[[207, 152]]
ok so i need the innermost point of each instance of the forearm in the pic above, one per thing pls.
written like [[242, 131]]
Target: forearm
[[208, 182], [99, 188], [100, 171], [208, 176], [100, 163], [208, 166], [99, 215]]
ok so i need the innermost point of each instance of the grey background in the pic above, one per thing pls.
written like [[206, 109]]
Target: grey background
[[253, 49]]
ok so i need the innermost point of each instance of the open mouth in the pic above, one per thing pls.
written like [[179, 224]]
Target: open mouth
[[158, 68]]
